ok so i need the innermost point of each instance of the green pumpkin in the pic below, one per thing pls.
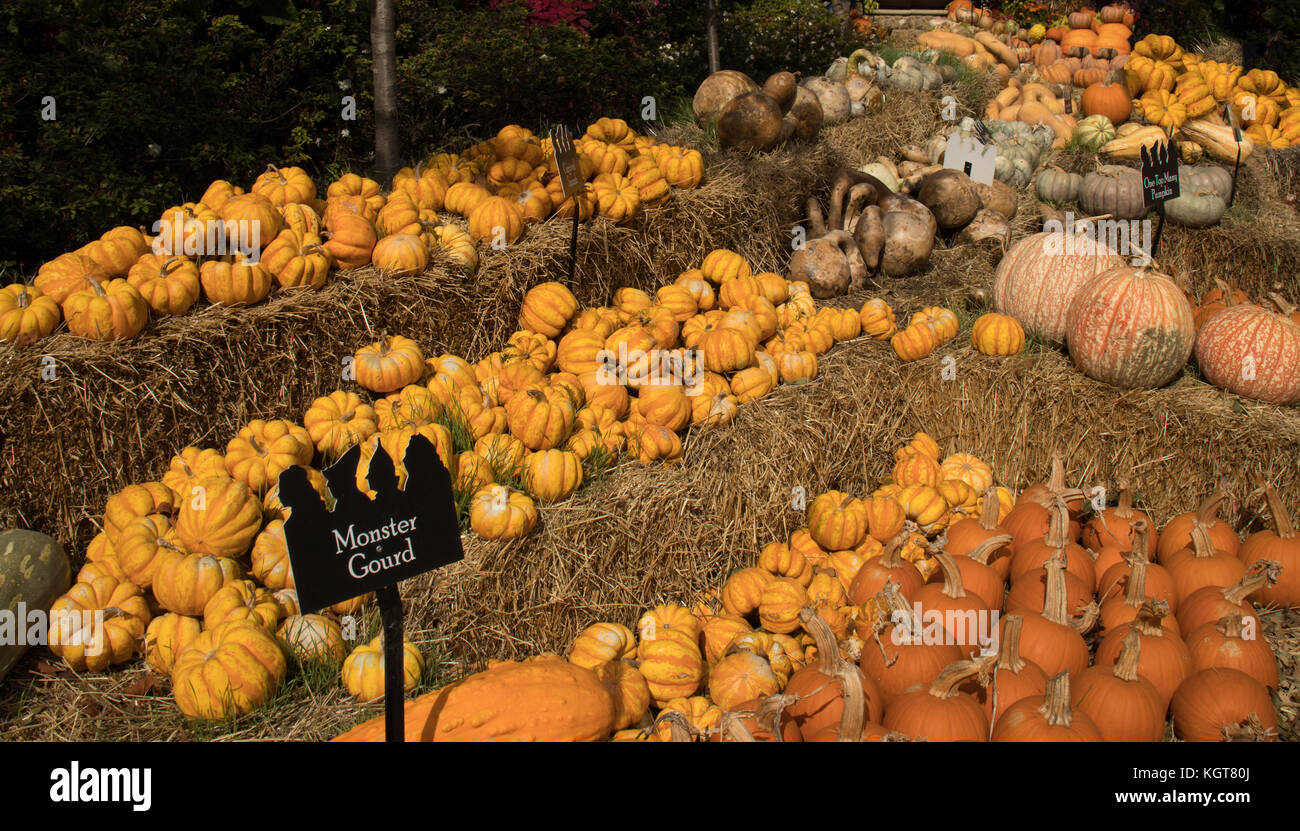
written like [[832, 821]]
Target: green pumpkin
[[1057, 185], [1020, 148], [1114, 190], [1093, 132], [1042, 136], [1195, 208], [1016, 172], [1209, 177], [34, 571]]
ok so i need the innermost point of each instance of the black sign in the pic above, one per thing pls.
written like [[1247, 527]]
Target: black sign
[[566, 163], [1159, 173], [363, 545]]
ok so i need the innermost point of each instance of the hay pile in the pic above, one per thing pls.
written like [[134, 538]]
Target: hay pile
[[640, 535], [644, 535], [117, 412]]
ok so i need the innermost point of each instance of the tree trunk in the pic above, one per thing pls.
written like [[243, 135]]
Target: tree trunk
[[715, 60], [383, 54]]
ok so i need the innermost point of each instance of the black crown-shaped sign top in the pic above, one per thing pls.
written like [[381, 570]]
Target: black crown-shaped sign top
[[362, 544], [1161, 154]]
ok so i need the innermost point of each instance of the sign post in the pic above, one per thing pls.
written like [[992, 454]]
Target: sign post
[[360, 545], [1159, 182], [571, 183]]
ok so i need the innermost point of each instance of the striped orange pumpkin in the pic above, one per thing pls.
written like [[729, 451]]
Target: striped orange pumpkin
[[1130, 327], [1039, 276], [837, 520], [1251, 351]]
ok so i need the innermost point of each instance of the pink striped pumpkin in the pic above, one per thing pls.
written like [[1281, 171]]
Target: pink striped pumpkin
[[1251, 351], [1130, 327], [1039, 275]]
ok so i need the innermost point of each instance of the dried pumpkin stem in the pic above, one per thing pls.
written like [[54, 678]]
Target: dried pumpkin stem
[[1202, 545], [1231, 626], [992, 508], [1281, 520], [1058, 525], [1054, 595], [892, 556], [1284, 306], [984, 550], [1150, 617], [1056, 707], [1262, 573], [952, 583], [679, 729], [1141, 533], [1124, 509], [733, 728], [1208, 512], [1135, 589], [1009, 649], [946, 685], [1126, 666]]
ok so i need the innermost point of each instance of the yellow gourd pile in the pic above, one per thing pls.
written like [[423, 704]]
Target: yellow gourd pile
[[109, 288]]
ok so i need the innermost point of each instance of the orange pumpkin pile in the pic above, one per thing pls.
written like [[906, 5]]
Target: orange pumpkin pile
[[820, 640]]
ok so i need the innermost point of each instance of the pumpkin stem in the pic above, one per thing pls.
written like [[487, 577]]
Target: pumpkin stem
[[992, 507], [1281, 521], [94, 284], [1150, 617], [1231, 626], [952, 583], [1135, 589], [1009, 649], [23, 300], [1208, 512], [679, 729], [984, 550], [947, 684], [733, 728], [1261, 573], [1124, 510], [1058, 526], [1054, 597], [166, 267], [1283, 305], [892, 557], [1056, 707], [1202, 545], [167, 544], [833, 665], [1126, 667], [1141, 533]]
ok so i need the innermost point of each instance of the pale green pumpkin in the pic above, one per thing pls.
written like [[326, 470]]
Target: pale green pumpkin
[[34, 571]]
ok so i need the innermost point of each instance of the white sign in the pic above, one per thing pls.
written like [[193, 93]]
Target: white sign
[[970, 156]]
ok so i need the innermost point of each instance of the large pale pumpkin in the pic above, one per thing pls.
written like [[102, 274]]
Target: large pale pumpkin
[[537, 700], [1039, 276], [1251, 351], [1131, 327]]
